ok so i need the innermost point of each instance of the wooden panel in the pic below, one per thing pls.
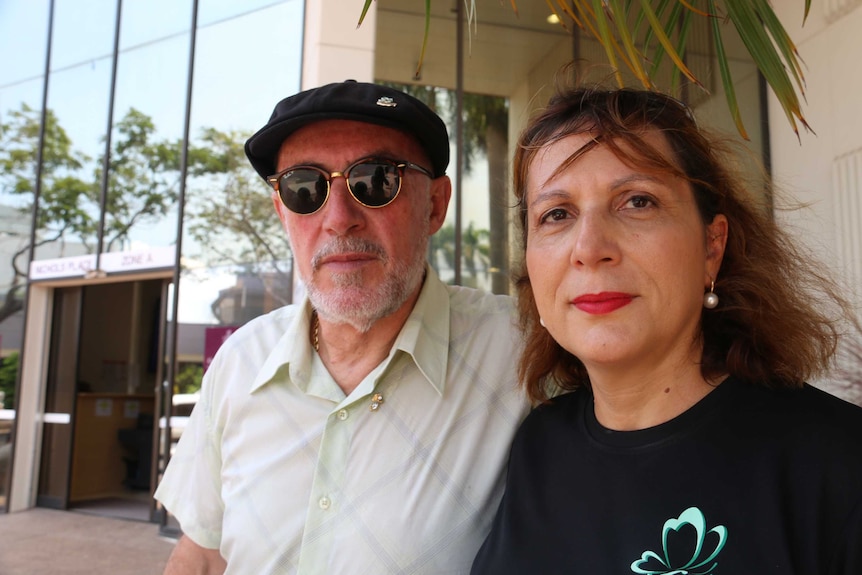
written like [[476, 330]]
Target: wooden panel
[[98, 469]]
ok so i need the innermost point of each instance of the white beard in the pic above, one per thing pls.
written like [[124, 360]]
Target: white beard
[[354, 303]]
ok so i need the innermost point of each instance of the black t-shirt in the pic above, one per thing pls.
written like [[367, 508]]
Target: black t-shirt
[[748, 481]]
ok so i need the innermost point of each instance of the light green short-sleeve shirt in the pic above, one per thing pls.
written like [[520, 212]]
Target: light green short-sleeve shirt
[[284, 474]]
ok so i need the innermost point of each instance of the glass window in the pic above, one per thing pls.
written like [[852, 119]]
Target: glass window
[[236, 261], [508, 62], [79, 85], [152, 21], [24, 33], [149, 112], [21, 89]]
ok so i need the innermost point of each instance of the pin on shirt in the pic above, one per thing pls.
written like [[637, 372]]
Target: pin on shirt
[[376, 400]]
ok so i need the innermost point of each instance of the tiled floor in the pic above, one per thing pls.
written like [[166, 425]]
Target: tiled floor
[[116, 508], [47, 542]]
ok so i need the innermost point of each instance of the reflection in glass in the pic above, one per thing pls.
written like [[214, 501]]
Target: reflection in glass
[[77, 103], [216, 12], [153, 21], [8, 375], [508, 63], [485, 248], [146, 143], [236, 262], [21, 89], [484, 237], [230, 225], [83, 33]]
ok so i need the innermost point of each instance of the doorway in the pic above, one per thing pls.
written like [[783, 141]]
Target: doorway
[[103, 371]]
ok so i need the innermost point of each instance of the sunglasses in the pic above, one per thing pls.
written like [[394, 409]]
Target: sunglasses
[[373, 182]]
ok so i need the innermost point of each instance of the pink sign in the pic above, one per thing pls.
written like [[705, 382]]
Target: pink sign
[[213, 338]]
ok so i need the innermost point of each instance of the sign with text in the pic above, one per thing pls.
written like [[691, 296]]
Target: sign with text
[[111, 262]]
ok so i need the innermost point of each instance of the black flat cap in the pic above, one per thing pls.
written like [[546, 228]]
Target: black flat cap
[[350, 100]]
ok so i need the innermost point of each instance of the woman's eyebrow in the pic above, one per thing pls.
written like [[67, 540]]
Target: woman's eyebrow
[[547, 195], [621, 182], [635, 178]]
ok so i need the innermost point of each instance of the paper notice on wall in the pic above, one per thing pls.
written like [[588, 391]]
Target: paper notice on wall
[[104, 407], [131, 408]]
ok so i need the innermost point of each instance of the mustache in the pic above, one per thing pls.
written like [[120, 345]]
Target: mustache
[[350, 245]]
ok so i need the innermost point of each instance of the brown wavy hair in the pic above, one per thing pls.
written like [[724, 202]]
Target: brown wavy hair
[[771, 327]]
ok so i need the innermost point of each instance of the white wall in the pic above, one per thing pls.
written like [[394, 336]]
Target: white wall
[[831, 46], [334, 49], [831, 51]]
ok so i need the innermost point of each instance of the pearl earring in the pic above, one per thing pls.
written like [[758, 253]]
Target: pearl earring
[[710, 299], [541, 322]]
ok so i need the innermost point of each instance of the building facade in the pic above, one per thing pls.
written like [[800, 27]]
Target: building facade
[[136, 237]]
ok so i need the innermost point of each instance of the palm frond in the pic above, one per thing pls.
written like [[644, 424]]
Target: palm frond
[[365, 8], [747, 16], [639, 34], [663, 35], [726, 79]]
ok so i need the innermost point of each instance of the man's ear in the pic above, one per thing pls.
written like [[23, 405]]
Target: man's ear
[[280, 210], [441, 193]]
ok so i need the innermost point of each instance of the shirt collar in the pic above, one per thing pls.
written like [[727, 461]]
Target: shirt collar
[[425, 334], [292, 351], [424, 337]]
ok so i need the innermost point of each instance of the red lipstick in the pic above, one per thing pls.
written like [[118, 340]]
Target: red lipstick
[[602, 303]]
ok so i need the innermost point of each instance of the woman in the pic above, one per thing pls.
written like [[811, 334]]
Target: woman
[[674, 325]]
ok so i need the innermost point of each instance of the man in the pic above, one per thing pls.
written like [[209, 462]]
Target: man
[[365, 429]]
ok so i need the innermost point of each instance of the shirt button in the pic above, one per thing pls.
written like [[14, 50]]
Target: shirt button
[[342, 415], [324, 502]]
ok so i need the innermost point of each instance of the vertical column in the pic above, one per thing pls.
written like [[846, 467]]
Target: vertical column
[[334, 49], [34, 369], [847, 188]]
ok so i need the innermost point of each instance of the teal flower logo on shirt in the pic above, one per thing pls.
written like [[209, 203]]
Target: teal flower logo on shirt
[[687, 547]]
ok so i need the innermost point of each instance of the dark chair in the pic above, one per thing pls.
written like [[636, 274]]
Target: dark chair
[[138, 444]]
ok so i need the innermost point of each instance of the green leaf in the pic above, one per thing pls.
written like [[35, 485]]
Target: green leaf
[[641, 18], [726, 79], [606, 38], [763, 52], [781, 39], [365, 8], [765, 38], [658, 56], [684, 29], [665, 41], [635, 55], [416, 76]]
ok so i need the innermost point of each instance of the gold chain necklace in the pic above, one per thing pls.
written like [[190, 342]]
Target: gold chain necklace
[[315, 331], [377, 399]]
